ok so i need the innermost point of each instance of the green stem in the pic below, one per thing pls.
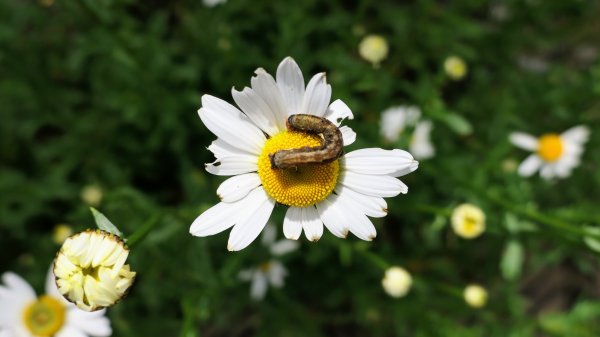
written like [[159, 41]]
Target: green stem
[[142, 231]]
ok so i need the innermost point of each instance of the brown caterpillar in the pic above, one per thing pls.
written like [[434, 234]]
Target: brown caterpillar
[[330, 149]]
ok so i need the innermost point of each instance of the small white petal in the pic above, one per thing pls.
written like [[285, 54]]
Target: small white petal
[[276, 274], [524, 141], [91, 323], [291, 85], [222, 149], [317, 96], [338, 111], [69, 331], [269, 234], [372, 206], [232, 165], [378, 186], [376, 161], [547, 171], [354, 220], [246, 274], [231, 125], [313, 227], [248, 227], [292, 223], [282, 247], [577, 134], [217, 218], [420, 145], [530, 165], [256, 109], [18, 286], [259, 286], [237, 187], [264, 84], [348, 135], [330, 216]]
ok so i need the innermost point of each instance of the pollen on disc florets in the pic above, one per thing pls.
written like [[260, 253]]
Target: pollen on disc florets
[[44, 317], [302, 186]]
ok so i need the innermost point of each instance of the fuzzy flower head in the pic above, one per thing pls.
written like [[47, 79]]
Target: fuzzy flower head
[[554, 155], [23, 314], [271, 272], [60, 233], [90, 269], [475, 295], [373, 48], [468, 221], [396, 282], [455, 67], [92, 195], [323, 186], [395, 119]]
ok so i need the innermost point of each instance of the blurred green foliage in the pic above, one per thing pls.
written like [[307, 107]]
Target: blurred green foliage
[[105, 92]]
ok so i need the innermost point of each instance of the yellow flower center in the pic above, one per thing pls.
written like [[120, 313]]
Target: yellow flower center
[[264, 267], [44, 317], [302, 186], [550, 147]]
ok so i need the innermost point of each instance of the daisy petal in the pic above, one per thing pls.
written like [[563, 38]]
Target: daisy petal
[[372, 206], [355, 221], [216, 219], [338, 111], [292, 223], [348, 135], [378, 186], [256, 109], [264, 85], [317, 96], [313, 227], [577, 134], [52, 289], [69, 331], [222, 149], [331, 217], [259, 286], [17, 286], [249, 226], [283, 247], [232, 165], [231, 125], [547, 171], [530, 165], [91, 323], [291, 85], [276, 274], [524, 141], [375, 161], [237, 187]]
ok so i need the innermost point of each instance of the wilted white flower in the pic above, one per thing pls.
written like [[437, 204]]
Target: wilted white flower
[[396, 282], [373, 48], [468, 221], [475, 296], [271, 272], [339, 194], [90, 269], [23, 314], [395, 119], [555, 156]]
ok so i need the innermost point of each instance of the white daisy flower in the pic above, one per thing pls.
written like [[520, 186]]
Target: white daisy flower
[[475, 295], [271, 272], [395, 119], [23, 314], [373, 48], [396, 282], [468, 221], [339, 194], [555, 155], [420, 144]]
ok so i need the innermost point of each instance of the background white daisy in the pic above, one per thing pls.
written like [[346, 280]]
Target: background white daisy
[[23, 314], [555, 155]]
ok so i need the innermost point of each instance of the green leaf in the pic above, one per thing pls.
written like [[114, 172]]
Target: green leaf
[[514, 225], [512, 260], [104, 224], [591, 242], [458, 123]]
